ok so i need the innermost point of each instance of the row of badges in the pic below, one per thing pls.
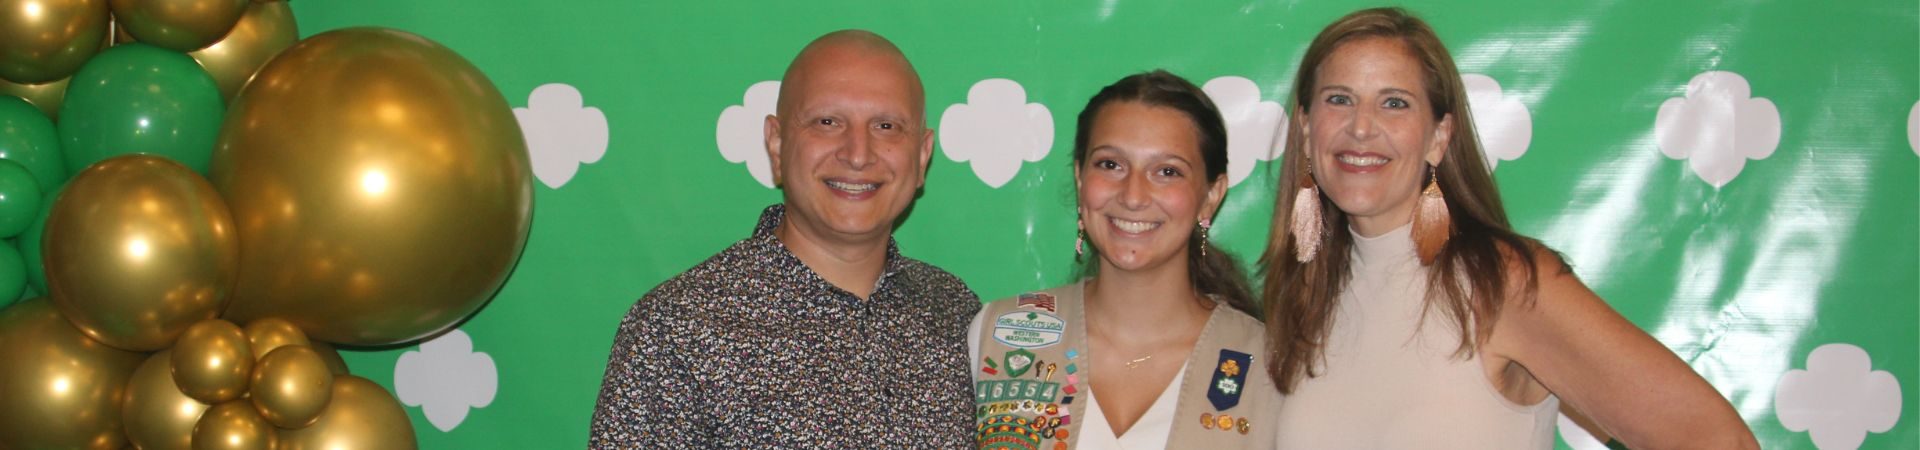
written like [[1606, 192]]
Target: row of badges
[[1013, 432], [1224, 422]]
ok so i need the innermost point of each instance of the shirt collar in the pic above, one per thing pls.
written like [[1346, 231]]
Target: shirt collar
[[773, 215]]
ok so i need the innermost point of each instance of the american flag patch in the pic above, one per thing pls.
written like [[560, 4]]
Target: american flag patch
[[1037, 300]]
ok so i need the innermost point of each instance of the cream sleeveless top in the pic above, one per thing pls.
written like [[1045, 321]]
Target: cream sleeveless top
[[1391, 379]]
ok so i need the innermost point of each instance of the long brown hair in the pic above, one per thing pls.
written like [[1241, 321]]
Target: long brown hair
[[1212, 271], [1469, 279]]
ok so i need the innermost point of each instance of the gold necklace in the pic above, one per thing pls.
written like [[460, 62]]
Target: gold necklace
[[1136, 362]]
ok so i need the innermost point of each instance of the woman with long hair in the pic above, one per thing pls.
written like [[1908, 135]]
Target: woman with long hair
[[1404, 311], [1156, 348]]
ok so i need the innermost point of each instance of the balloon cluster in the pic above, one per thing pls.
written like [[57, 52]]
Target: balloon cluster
[[240, 200]]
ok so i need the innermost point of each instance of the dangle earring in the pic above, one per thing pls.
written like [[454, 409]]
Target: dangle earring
[[1432, 224], [1306, 224], [1204, 225], [1079, 239]]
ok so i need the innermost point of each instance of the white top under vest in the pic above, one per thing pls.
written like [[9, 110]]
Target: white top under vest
[[1391, 379]]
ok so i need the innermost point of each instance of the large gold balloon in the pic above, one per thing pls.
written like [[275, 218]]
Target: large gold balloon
[[380, 185], [120, 35], [233, 426], [361, 416], [292, 386], [46, 40], [179, 25], [265, 30], [137, 248], [334, 362], [271, 333], [158, 416], [46, 96], [58, 388], [213, 362]]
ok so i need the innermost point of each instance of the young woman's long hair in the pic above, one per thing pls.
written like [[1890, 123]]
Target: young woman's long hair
[[1470, 278], [1212, 272]]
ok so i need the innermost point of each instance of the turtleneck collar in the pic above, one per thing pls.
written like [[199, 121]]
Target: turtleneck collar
[[1393, 246]]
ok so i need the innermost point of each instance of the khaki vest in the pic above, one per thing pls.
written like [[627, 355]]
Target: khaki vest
[[1034, 370]]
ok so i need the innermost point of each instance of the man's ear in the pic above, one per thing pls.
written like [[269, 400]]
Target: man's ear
[[772, 130], [926, 155]]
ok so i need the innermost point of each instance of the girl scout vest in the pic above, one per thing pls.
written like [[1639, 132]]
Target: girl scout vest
[[1034, 375]]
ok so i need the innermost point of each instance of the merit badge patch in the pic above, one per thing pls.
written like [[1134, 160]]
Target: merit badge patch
[[1229, 378], [1028, 329], [1018, 361], [1007, 432]]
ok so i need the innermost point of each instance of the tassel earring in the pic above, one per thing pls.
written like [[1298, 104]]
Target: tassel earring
[[1204, 225], [1306, 218], [1432, 224]]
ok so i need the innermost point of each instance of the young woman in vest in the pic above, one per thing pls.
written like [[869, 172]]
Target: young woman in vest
[[1405, 311], [1158, 348]]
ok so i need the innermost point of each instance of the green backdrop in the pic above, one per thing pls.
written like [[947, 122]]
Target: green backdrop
[[1742, 233]]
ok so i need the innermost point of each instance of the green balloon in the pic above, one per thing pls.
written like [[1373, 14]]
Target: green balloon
[[28, 137], [13, 274], [137, 98], [19, 200], [30, 242]]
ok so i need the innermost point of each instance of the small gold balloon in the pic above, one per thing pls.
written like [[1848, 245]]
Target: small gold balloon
[[334, 362], [46, 40], [233, 426], [380, 185], [361, 416], [179, 25], [137, 248], [58, 388], [46, 96], [265, 30], [291, 386], [271, 333], [212, 362], [158, 416]]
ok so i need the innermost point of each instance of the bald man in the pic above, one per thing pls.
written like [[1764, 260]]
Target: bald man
[[815, 332]]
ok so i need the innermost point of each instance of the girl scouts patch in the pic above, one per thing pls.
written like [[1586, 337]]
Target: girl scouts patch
[[1229, 377], [1028, 329]]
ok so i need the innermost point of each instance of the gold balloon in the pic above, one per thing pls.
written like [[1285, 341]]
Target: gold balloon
[[362, 416], [137, 248], [212, 362], [46, 40], [334, 362], [265, 30], [381, 187], [120, 35], [157, 414], [179, 25], [292, 386], [58, 388], [46, 96], [271, 333], [233, 426]]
